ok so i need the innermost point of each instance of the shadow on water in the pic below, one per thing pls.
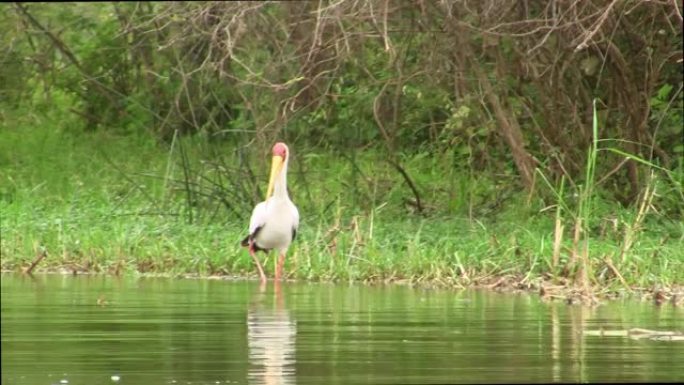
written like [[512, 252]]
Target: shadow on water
[[271, 334]]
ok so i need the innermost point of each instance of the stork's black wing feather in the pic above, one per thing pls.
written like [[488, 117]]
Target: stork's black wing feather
[[245, 242]]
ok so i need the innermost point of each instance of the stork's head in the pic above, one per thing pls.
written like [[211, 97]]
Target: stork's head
[[280, 154], [280, 149]]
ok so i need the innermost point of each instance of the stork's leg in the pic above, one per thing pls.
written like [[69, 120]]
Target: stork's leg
[[279, 268], [252, 252]]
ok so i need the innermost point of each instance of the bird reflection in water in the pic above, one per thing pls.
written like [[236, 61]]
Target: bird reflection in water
[[271, 339]]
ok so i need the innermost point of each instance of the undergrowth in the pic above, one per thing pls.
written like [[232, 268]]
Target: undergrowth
[[121, 204]]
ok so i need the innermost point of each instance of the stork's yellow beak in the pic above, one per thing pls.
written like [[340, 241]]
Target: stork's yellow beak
[[276, 167]]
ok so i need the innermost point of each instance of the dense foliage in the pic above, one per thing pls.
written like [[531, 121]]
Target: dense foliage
[[497, 84]]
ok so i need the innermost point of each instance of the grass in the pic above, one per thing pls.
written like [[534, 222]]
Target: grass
[[122, 204]]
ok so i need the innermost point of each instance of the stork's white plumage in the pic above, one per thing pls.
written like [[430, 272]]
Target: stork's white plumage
[[274, 221]]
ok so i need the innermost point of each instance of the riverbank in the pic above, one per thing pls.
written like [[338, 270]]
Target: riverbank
[[427, 252], [108, 204]]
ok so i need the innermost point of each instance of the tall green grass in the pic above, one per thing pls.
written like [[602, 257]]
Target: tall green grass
[[589, 266]]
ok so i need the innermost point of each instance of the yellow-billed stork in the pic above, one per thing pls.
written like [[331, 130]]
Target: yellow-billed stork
[[274, 221]]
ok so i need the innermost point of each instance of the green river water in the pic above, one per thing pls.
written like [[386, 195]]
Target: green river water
[[105, 330]]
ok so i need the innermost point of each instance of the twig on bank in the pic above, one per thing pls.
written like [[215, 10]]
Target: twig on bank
[[42, 254]]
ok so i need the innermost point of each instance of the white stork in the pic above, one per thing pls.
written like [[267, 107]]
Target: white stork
[[274, 221]]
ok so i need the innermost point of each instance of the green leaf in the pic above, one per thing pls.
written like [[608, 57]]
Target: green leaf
[[664, 91]]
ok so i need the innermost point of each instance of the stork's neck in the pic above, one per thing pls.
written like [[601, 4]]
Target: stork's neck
[[280, 188]]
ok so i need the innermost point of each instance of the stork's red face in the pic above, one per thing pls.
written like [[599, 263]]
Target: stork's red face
[[277, 164], [280, 149]]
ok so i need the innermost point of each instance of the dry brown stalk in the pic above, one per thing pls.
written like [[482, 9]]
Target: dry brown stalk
[[557, 241], [41, 255]]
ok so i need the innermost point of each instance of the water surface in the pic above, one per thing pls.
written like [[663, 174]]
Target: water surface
[[105, 330]]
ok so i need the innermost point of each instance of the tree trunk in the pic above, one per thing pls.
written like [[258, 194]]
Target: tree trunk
[[510, 129]]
